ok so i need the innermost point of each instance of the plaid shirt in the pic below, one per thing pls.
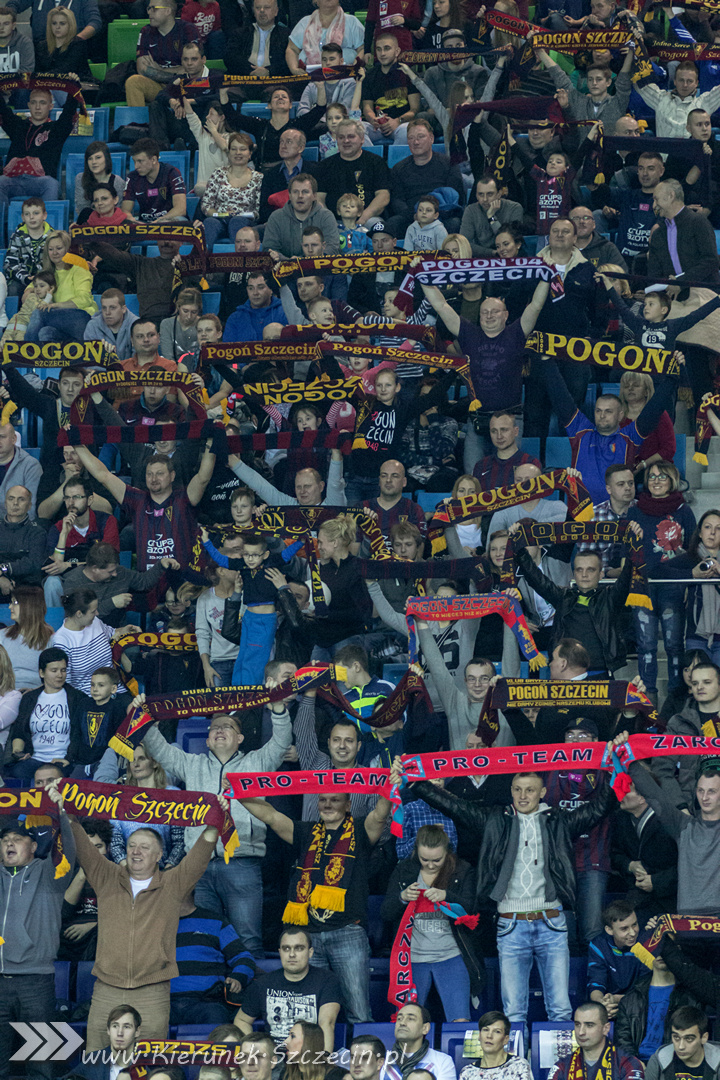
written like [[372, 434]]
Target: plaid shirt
[[611, 554], [418, 813]]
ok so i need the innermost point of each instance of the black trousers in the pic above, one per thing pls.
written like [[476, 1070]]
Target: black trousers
[[26, 998]]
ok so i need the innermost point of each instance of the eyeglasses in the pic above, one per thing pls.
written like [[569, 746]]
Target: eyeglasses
[[582, 217], [658, 476]]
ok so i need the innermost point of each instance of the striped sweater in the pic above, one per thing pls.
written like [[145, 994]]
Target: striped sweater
[[87, 650], [208, 950]]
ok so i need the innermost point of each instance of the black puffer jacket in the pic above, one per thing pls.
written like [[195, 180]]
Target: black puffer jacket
[[631, 1019], [496, 832], [459, 890]]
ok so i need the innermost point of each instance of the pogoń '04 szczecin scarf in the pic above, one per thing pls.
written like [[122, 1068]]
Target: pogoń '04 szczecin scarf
[[319, 883], [579, 532], [440, 272]]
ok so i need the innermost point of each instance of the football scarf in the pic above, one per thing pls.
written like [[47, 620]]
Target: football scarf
[[421, 570], [500, 161], [510, 24], [198, 264], [98, 434], [101, 381], [391, 709], [444, 361], [703, 428], [181, 1052], [471, 507], [140, 230], [25, 354], [291, 393], [672, 924], [413, 331], [575, 41], [579, 532], [440, 272], [317, 74], [675, 51], [605, 354], [523, 109], [247, 352], [300, 522], [290, 440], [28, 81], [446, 609], [131, 731], [401, 988], [368, 263], [595, 169], [577, 1070], [166, 642], [323, 869]]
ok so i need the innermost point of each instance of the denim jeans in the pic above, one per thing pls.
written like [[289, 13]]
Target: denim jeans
[[345, 952], [453, 985], [24, 998], [234, 890], [224, 669], [53, 589], [22, 187], [358, 488], [224, 228], [711, 646], [60, 324], [321, 655], [519, 943], [668, 614]]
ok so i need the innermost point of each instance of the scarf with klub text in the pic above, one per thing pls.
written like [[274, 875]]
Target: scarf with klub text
[[523, 109], [141, 230], [440, 272], [24, 354], [471, 507], [415, 332], [446, 609], [577, 1069], [163, 642], [546, 533], [389, 710], [369, 263], [28, 81], [290, 440], [444, 361], [605, 354], [703, 428], [199, 264], [544, 693], [290, 392], [574, 41], [223, 353], [672, 924], [401, 988], [675, 51], [324, 866], [131, 731]]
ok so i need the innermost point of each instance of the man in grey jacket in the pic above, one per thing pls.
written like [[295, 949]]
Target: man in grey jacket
[[689, 1053], [283, 232], [679, 775], [113, 324], [440, 78], [31, 898], [235, 888], [483, 220], [597, 104], [309, 484], [16, 50], [18, 467]]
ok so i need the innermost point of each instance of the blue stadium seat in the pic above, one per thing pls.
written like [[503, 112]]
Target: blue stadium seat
[[397, 153], [452, 1038], [62, 979], [194, 1031], [680, 457], [375, 922], [380, 1007], [558, 454], [531, 243], [531, 445], [386, 1032], [181, 160], [394, 672], [211, 303], [74, 165], [428, 500], [311, 153], [54, 617], [11, 305], [269, 963], [194, 742], [543, 1046], [33, 451], [85, 980], [97, 127], [378, 150], [126, 559], [58, 212], [130, 114]]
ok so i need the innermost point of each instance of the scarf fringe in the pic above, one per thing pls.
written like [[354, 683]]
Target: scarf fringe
[[295, 914], [328, 897], [636, 599]]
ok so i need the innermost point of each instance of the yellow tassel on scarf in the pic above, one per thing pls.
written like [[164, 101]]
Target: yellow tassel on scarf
[[328, 898], [62, 868], [231, 847], [638, 600], [296, 914], [75, 260], [538, 661], [644, 955], [8, 409], [697, 456]]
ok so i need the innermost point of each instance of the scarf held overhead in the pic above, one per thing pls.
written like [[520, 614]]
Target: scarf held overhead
[[53, 354], [390, 710], [522, 109], [290, 392], [703, 428], [290, 440], [243, 352], [605, 354], [134, 231], [28, 81], [342, 264], [444, 361], [672, 924], [101, 381], [440, 272]]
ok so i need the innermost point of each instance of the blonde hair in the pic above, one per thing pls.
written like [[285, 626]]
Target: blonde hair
[[72, 27], [189, 296], [635, 378], [466, 476], [7, 675], [500, 37], [350, 195], [462, 242], [342, 528], [615, 268], [159, 774], [666, 467], [58, 234]]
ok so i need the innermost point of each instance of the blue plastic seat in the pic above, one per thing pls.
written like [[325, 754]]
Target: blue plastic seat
[[558, 452], [394, 672], [58, 214], [85, 980], [428, 500], [531, 446], [181, 160], [452, 1039], [54, 617], [211, 303], [379, 150], [74, 165], [680, 458], [311, 153], [130, 114], [397, 153]]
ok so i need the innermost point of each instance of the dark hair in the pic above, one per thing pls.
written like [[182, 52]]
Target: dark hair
[[651, 154], [488, 178], [145, 146], [695, 538], [304, 178], [573, 651], [563, 217], [617, 911], [331, 46], [194, 45], [35, 200], [87, 180], [376, 1045], [688, 1016], [425, 1013], [435, 203], [712, 667], [102, 555], [255, 540], [224, 1031], [173, 1072], [353, 654], [494, 1017], [77, 600], [54, 655], [613, 470], [78, 481], [8, 11], [601, 1010], [514, 230], [694, 656], [141, 322], [293, 931], [48, 276], [104, 186], [310, 230], [434, 836], [104, 831], [110, 672], [119, 1010], [663, 296]]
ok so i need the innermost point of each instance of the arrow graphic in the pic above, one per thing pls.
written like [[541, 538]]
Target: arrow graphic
[[46, 1042]]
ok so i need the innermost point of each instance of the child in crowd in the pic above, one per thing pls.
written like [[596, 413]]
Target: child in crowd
[[334, 116], [24, 253], [99, 722], [41, 288], [354, 238], [553, 183], [427, 232], [654, 328]]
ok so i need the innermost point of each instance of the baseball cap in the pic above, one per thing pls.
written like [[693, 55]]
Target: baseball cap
[[449, 34], [383, 227], [586, 725]]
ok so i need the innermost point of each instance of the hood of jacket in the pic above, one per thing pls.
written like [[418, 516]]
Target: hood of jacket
[[575, 259], [712, 1055]]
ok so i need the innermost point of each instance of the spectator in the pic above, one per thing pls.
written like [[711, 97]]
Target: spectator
[[211, 138], [19, 469], [592, 1028], [28, 975], [21, 541], [328, 23], [367, 1057], [151, 277], [232, 195], [635, 392], [494, 1028], [634, 206], [261, 309], [29, 635], [63, 50], [297, 991], [178, 334], [123, 1025], [66, 316], [534, 509], [420, 174], [84, 638], [17, 53], [145, 773], [113, 324], [391, 506], [388, 103], [258, 48], [268, 132], [483, 220], [684, 244], [700, 561], [337, 91], [620, 486], [157, 188], [497, 468], [23, 258], [274, 191], [80, 530], [217, 653], [689, 1050], [285, 227], [111, 583], [642, 1023], [597, 104], [412, 1026], [9, 697], [159, 53], [697, 718], [354, 171], [645, 856], [168, 121], [37, 137], [612, 968], [596, 249], [97, 170], [672, 108], [79, 910]]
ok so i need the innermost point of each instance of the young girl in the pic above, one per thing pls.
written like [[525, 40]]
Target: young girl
[[212, 142], [178, 333], [97, 170], [62, 52], [334, 115], [554, 184], [41, 288], [354, 239]]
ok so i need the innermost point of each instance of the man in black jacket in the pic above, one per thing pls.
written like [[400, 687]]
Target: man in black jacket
[[642, 1021], [645, 856], [258, 48], [526, 867], [683, 247], [22, 542]]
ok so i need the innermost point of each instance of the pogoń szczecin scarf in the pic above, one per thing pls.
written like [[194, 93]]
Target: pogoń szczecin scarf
[[439, 272], [290, 440], [387, 329], [676, 51], [131, 731], [605, 1071], [704, 429], [523, 109], [458, 364], [445, 609], [299, 522], [423, 569], [98, 434], [574, 41], [100, 381], [202, 263], [672, 924], [578, 532], [24, 354], [28, 81], [388, 711], [245, 352], [318, 74], [461, 511], [605, 354], [368, 263], [184, 1052], [401, 988], [164, 642], [318, 885], [140, 230], [444, 56]]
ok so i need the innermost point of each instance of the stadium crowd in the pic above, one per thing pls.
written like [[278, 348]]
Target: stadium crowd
[[378, 352]]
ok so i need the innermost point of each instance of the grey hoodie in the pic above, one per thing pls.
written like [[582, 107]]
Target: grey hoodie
[[284, 230], [680, 787], [441, 77], [205, 772], [98, 330], [17, 55], [23, 469], [660, 1063], [31, 899]]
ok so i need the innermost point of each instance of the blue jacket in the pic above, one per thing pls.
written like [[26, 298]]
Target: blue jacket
[[247, 323], [610, 969], [208, 951]]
